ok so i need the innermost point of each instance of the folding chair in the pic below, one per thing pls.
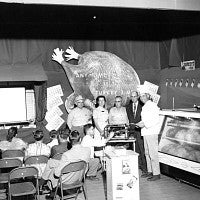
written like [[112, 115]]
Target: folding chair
[[57, 156], [79, 166], [8, 164], [13, 154], [37, 161], [25, 187]]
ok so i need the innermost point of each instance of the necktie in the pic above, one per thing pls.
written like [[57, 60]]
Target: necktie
[[134, 109]]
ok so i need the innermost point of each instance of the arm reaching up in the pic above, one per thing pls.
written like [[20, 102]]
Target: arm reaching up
[[58, 55]]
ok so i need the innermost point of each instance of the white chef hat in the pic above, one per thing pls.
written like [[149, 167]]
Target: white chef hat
[[142, 89]]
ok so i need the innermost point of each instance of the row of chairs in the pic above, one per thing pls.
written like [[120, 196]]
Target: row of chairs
[[27, 188]]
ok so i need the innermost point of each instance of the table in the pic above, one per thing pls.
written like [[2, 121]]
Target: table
[[131, 140]]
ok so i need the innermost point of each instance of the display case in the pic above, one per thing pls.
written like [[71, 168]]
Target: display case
[[179, 141]]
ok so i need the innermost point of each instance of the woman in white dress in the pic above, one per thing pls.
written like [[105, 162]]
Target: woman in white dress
[[100, 117]]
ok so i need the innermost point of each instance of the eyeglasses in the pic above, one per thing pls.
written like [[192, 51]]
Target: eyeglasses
[[118, 101], [134, 96]]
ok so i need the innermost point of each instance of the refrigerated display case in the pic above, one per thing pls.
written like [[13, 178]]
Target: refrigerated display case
[[179, 144]]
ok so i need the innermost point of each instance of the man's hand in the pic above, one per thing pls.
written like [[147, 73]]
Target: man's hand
[[140, 124], [58, 55]]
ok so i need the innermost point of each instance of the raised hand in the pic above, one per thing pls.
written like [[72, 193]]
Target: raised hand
[[71, 54], [58, 55]]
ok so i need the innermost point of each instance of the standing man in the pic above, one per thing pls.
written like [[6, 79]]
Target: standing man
[[79, 116], [149, 125], [133, 110]]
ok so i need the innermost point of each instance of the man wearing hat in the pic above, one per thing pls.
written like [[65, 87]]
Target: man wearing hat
[[149, 125], [79, 116]]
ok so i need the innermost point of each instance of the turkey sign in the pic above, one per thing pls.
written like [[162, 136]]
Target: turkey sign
[[97, 73]]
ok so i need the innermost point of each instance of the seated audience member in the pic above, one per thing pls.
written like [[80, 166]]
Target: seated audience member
[[89, 141], [37, 148], [12, 142], [64, 144], [79, 116], [54, 167], [117, 114], [53, 137]]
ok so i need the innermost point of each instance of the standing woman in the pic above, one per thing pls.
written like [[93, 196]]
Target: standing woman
[[100, 117]]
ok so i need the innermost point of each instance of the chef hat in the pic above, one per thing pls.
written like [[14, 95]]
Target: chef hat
[[142, 89], [79, 98]]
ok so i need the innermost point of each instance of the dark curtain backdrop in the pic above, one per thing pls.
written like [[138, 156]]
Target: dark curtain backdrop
[[148, 58]]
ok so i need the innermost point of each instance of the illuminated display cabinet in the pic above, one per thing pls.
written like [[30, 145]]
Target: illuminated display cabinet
[[179, 145]]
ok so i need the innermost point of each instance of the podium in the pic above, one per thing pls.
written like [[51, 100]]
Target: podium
[[122, 176]]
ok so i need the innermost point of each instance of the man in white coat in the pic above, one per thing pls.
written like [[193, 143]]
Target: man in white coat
[[149, 125]]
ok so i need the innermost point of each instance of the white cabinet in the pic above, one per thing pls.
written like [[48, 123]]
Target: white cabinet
[[122, 176]]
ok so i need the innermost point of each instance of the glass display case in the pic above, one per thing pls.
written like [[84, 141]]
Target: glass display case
[[179, 140]]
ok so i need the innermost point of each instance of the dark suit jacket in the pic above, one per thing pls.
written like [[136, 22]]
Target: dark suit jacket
[[129, 110]]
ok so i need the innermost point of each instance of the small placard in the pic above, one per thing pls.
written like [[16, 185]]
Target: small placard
[[188, 65]]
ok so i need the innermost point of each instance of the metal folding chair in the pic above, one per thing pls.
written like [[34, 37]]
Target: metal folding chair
[[79, 166], [8, 164], [22, 186], [13, 154], [37, 161]]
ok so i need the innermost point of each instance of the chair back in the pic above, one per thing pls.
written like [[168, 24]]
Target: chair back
[[10, 162], [74, 167], [23, 172], [12, 153], [36, 160], [57, 156]]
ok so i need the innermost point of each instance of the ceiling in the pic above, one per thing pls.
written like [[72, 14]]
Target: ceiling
[[89, 22]]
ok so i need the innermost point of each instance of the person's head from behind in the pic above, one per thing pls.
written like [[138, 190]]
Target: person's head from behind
[[53, 134], [88, 129], [74, 137], [118, 101], [12, 132], [38, 135], [101, 101], [63, 136]]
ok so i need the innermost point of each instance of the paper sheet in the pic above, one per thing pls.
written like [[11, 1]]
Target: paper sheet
[[55, 123], [56, 111], [54, 91], [54, 102]]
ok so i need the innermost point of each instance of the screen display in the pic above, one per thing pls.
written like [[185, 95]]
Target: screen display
[[13, 104], [180, 137]]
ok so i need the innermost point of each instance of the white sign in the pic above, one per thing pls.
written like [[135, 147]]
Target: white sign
[[153, 89], [188, 65]]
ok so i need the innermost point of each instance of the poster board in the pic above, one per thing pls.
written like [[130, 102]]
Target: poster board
[[13, 105]]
